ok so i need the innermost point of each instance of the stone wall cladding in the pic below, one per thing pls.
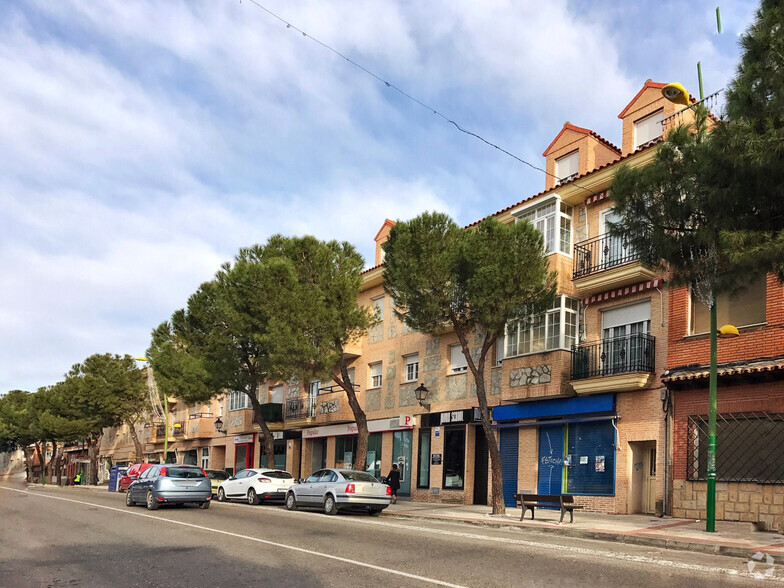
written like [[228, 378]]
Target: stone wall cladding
[[431, 364], [528, 376], [376, 333], [431, 347], [407, 396], [456, 387], [373, 399], [495, 381]]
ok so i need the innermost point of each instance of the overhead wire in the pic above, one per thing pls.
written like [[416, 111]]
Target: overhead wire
[[405, 94]]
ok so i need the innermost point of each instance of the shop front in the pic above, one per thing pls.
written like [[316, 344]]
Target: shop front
[[447, 451], [573, 442], [390, 441], [243, 451]]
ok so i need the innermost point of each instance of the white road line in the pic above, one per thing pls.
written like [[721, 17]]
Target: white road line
[[568, 549], [385, 570]]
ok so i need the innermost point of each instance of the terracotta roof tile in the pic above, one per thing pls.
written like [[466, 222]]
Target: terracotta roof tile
[[569, 126], [702, 372]]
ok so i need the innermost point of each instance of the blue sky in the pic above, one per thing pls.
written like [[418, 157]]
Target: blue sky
[[143, 143]]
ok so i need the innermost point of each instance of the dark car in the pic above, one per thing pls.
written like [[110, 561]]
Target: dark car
[[170, 484], [133, 473]]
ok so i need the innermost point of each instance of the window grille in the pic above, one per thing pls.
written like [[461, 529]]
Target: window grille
[[749, 447]]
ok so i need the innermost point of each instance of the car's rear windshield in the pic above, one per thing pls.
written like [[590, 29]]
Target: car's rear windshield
[[184, 472], [217, 475], [277, 474], [357, 476]]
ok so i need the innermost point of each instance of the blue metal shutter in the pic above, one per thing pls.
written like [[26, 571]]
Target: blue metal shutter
[[596, 442], [551, 443], [509, 456]]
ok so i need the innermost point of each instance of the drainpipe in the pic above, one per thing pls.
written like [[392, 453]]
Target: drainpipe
[[666, 400]]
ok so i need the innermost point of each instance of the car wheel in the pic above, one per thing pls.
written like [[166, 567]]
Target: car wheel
[[205, 505], [151, 503], [330, 507], [221, 495], [128, 501], [375, 512], [252, 498], [291, 501]]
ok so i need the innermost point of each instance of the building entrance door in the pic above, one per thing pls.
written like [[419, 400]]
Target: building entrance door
[[318, 460], [401, 455], [642, 493]]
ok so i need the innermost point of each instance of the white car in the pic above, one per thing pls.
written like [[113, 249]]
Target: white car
[[256, 485]]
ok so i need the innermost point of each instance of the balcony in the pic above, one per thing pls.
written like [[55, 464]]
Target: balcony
[[272, 412], [614, 365], [178, 429], [301, 409], [607, 262], [201, 425]]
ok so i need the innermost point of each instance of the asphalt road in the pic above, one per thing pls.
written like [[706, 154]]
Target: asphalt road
[[88, 537]]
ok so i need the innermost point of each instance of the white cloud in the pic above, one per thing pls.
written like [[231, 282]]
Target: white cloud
[[145, 142]]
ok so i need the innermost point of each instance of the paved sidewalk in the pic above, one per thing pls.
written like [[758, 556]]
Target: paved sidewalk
[[731, 538]]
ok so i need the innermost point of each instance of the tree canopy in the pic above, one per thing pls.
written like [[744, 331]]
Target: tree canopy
[[474, 280]]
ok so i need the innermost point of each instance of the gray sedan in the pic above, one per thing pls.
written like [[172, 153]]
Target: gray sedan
[[171, 483], [335, 489]]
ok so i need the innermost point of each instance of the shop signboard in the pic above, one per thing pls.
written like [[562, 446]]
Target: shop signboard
[[376, 426]]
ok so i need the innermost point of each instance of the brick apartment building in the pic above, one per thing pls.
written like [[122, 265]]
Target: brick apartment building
[[598, 397]]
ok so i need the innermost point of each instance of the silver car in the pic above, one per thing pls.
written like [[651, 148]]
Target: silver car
[[170, 483], [335, 489]]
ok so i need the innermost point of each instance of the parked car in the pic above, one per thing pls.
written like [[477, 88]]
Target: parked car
[[216, 477], [335, 489], [170, 484], [256, 485], [133, 473]]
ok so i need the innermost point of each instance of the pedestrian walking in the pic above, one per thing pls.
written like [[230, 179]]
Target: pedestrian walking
[[393, 481]]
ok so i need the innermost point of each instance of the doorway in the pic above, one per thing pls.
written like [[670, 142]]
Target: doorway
[[401, 455], [243, 456], [318, 459], [480, 467], [642, 493]]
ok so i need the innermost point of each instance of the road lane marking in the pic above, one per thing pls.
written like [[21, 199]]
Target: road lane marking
[[385, 570], [567, 549]]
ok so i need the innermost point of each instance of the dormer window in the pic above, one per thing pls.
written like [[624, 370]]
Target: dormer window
[[566, 167], [648, 128]]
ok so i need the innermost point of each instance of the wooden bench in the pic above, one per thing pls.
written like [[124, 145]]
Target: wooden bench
[[563, 501]]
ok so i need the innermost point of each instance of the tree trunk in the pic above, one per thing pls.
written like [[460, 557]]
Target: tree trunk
[[28, 464], [92, 452], [359, 415], [139, 458], [58, 466], [41, 460], [266, 434], [496, 474], [51, 467]]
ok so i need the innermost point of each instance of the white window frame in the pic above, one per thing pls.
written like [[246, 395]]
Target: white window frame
[[238, 400], [313, 388], [275, 390], [652, 120], [205, 458], [550, 217], [560, 163], [458, 363], [378, 309], [411, 372], [517, 341], [376, 379]]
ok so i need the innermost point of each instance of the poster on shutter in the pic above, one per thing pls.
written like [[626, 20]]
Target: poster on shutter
[[568, 460], [583, 460], [599, 463]]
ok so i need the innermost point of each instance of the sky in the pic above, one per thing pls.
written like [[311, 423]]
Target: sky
[[143, 143]]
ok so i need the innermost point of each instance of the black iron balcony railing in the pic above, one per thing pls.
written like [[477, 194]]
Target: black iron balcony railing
[[160, 430], [178, 429], [334, 388], [609, 357], [200, 415], [301, 408], [601, 253]]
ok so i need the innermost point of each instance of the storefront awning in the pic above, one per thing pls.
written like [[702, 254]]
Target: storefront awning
[[556, 407], [625, 291]]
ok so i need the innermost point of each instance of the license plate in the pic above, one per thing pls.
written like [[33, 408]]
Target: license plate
[[282, 489], [186, 484]]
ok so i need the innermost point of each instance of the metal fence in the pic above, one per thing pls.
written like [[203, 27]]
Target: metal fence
[[301, 408], [749, 448], [601, 253], [616, 355]]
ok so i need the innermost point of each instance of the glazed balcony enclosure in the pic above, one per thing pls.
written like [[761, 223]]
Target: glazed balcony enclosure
[[606, 262], [614, 365]]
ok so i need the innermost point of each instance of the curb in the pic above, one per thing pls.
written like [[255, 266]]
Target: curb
[[674, 544]]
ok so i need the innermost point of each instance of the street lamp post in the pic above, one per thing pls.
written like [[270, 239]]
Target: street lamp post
[[165, 416], [677, 94]]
